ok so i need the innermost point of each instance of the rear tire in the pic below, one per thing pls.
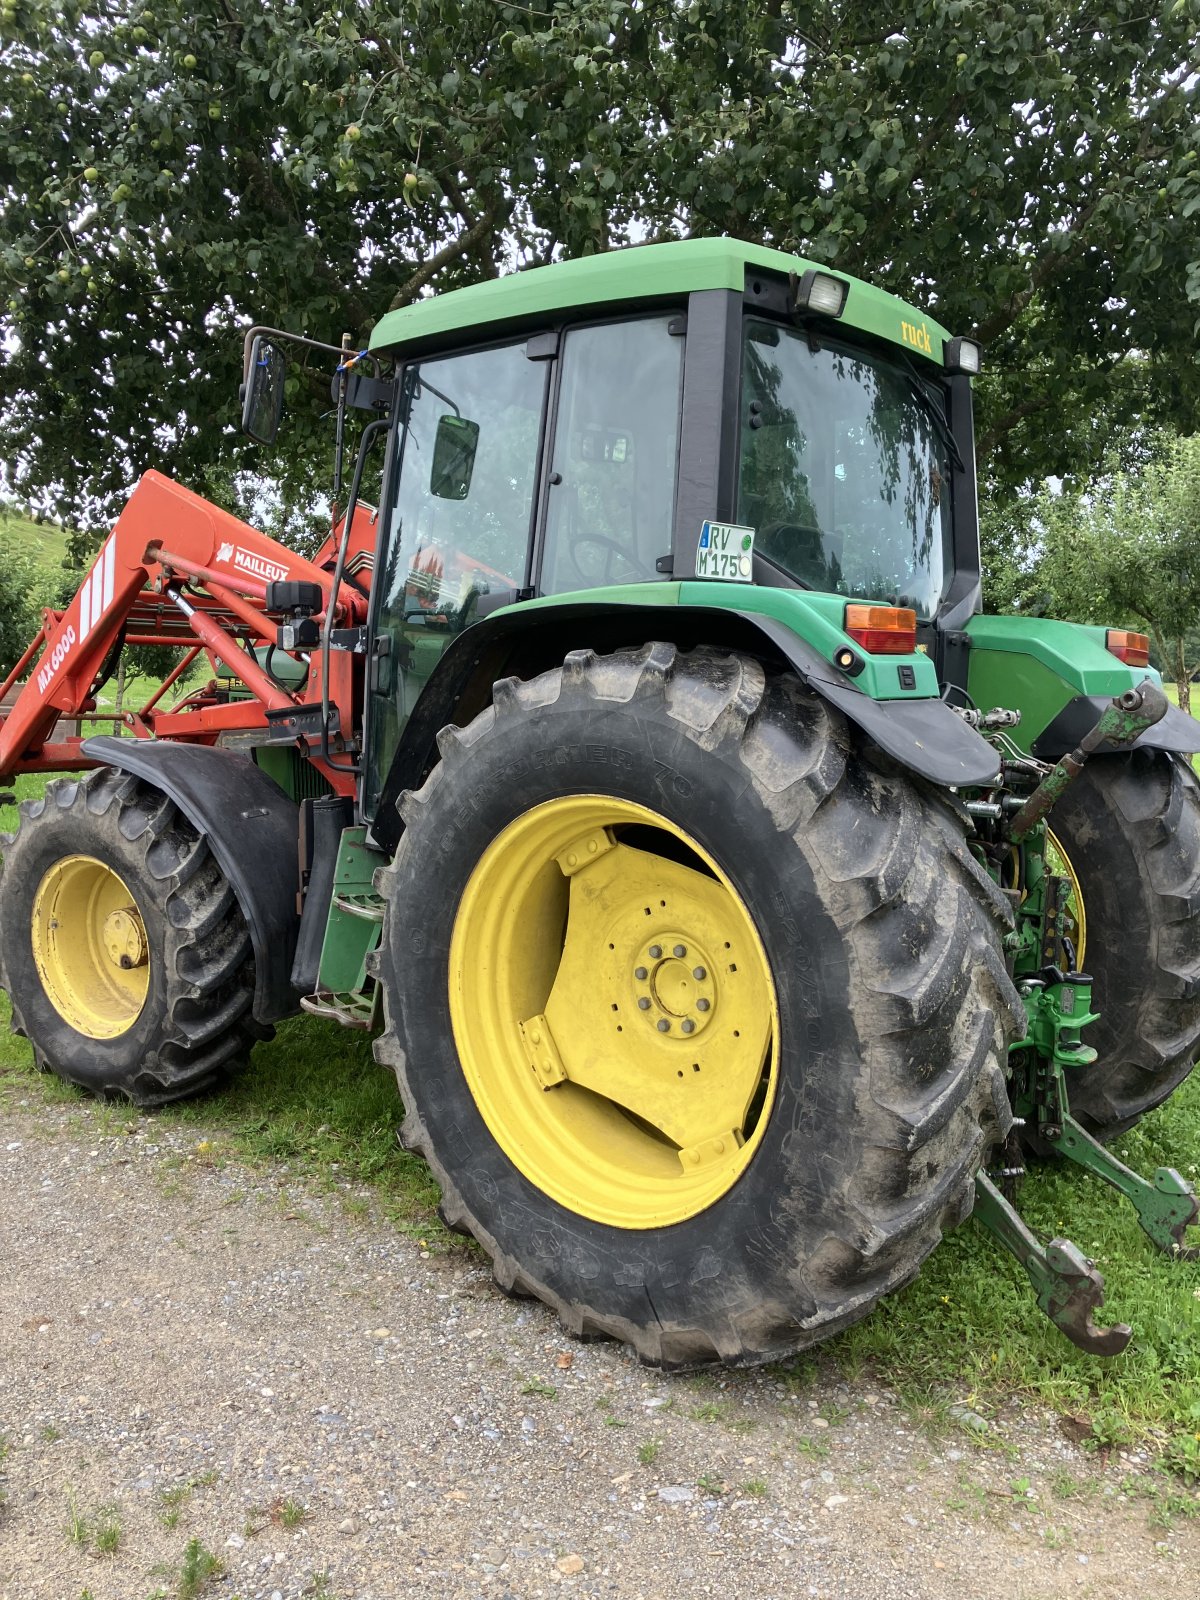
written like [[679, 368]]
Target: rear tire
[[881, 937], [186, 1022], [1130, 825]]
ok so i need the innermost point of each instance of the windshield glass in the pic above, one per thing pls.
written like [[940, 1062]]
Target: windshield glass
[[844, 474]]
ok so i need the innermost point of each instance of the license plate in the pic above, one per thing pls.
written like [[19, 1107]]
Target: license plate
[[725, 551]]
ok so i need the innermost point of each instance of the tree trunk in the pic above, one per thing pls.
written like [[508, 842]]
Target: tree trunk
[[120, 685]]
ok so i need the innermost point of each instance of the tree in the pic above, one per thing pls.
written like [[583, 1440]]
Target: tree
[[170, 172], [1125, 553], [18, 610]]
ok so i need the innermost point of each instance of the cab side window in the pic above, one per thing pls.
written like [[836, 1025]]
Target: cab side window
[[611, 501], [460, 522]]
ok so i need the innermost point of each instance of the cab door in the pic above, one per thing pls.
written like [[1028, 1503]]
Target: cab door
[[458, 525], [610, 491]]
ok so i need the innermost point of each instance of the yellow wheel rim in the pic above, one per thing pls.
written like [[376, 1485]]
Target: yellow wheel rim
[[90, 947], [614, 1012], [1074, 913]]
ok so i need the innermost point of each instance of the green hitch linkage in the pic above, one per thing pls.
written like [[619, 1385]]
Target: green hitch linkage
[[1068, 1286], [1125, 720], [1166, 1205]]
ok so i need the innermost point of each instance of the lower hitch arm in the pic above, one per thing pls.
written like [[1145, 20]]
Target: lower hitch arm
[[1068, 1286], [1166, 1205]]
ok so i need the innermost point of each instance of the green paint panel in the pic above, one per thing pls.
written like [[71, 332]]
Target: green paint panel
[[816, 618], [646, 273], [1035, 665], [616, 594], [349, 939]]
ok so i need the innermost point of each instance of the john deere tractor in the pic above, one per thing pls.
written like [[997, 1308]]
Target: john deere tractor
[[737, 906]]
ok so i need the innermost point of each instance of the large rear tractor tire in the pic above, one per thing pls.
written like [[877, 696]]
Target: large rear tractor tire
[[1130, 829], [122, 947], [699, 1018]]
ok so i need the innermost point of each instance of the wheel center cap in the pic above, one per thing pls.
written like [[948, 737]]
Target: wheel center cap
[[125, 939], [674, 987]]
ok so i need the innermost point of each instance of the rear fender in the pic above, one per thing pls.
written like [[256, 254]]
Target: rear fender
[[922, 734], [252, 828], [1060, 676]]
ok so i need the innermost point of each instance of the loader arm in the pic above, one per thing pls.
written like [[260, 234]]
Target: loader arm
[[168, 540]]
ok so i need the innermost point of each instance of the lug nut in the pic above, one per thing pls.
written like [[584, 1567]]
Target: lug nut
[[699, 972], [680, 951], [643, 1004], [702, 1005], [655, 951], [663, 1025], [688, 1025], [640, 973]]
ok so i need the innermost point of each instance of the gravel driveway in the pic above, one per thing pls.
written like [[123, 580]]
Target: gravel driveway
[[212, 1354]]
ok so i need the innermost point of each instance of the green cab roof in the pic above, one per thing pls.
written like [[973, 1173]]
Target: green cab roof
[[646, 272]]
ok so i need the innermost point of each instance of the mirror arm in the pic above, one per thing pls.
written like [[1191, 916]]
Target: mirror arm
[[292, 338], [445, 398], [339, 438]]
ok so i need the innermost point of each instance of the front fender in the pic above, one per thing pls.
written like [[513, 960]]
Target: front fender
[[252, 828]]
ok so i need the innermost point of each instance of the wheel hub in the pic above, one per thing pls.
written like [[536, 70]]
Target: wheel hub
[[673, 988], [124, 939]]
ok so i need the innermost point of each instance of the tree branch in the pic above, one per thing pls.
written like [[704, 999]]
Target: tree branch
[[1005, 425], [460, 246]]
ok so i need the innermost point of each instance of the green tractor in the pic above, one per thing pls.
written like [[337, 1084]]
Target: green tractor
[[728, 894]]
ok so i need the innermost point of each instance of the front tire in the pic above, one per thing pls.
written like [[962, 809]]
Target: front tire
[[123, 949], [868, 964]]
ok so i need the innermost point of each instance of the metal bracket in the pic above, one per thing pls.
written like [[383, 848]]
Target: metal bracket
[[286, 724], [542, 1052], [1068, 1286], [352, 639], [1166, 1205]]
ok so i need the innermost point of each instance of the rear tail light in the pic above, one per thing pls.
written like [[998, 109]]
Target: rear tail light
[[1131, 648], [882, 630]]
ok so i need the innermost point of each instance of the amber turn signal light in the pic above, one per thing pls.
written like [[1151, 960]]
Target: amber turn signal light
[[882, 630], [1131, 648]]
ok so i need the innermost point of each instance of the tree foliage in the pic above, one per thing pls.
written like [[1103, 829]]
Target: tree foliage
[[1125, 553], [18, 610], [170, 172]]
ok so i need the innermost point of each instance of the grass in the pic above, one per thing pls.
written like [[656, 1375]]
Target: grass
[[198, 1569], [969, 1325], [289, 1513], [1172, 694], [99, 1531], [41, 544]]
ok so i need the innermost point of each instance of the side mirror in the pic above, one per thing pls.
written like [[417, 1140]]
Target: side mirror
[[453, 457], [262, 392]]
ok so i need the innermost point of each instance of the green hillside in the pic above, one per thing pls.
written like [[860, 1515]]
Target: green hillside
[[44, 546]]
